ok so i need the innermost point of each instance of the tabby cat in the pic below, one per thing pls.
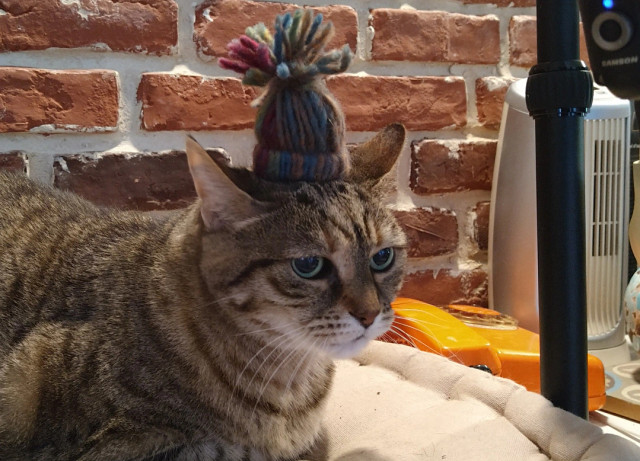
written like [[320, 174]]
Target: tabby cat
[[206, 335]]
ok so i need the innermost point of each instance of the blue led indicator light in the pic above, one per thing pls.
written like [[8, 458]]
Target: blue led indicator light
[[608, 4]]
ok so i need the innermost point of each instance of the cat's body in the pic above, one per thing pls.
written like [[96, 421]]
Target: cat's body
[[191, 337]]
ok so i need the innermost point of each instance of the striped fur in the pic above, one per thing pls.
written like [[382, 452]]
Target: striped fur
[[190, 337]]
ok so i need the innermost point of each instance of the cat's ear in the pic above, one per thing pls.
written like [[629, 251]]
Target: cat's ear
[[222, 202], [372, 160]]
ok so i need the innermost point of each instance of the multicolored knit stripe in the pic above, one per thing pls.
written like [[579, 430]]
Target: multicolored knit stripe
[[297, 116], [294, 166]]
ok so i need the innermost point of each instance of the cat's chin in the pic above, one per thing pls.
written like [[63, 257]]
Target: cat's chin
[[348, 350], [345, 348]]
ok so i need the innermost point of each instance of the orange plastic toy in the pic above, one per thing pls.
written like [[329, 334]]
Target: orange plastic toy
[[484, 339]]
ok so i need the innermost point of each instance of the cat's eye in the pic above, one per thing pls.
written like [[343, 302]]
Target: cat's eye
[[308, 267], [382, 260]]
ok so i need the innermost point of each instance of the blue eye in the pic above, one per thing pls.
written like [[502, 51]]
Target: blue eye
[[308, 267], [382, 260]]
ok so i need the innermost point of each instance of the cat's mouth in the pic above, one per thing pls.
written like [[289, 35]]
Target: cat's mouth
[[351, 338], [348, 348]]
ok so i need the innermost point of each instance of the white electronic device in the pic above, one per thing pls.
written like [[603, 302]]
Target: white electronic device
[[513, 271]]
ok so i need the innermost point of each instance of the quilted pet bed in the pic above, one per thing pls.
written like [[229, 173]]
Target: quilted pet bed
[[396, 403]]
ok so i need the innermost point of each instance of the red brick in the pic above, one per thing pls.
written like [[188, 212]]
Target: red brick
[[474, 39], [61, 100], [442, 287], [503, 3], [523, 47], [420, 103], [189, 102], [408, 35], [481, 225], [490, 92], [149, 26], [219, 21], [430, 231], [448, 166], [186, 102], [128, 181], [12, 161]]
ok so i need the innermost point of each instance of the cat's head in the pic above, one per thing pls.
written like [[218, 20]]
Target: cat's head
[[316, 263]]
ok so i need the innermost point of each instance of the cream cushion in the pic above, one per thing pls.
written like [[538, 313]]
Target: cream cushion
[[396, 403]]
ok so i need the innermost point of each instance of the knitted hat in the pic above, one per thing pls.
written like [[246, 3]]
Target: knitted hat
[[299, 125]]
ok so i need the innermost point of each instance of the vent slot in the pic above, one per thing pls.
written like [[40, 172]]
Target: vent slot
[[605, 213]]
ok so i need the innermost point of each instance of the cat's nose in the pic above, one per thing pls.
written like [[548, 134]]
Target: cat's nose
[[365, 317], [362, 305]]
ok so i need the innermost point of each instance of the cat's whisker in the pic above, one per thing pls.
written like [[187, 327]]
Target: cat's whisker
[[411, 323], [385, 337], [428, 348], [266, 383], [300, 362], [289, 336], [236, 384], [284, 336], [280, 340], [400, 325], [413, 340], [264, 330], [422, 323], [426, 325], [424, 311], [405, 336], [420, 311]]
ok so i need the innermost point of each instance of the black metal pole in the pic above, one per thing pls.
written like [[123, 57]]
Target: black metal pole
[[559, 93]]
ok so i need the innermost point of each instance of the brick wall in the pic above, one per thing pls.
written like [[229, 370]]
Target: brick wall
[[95, 97]]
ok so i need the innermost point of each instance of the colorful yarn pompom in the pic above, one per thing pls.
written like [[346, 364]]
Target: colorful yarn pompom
[[299, 125]]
